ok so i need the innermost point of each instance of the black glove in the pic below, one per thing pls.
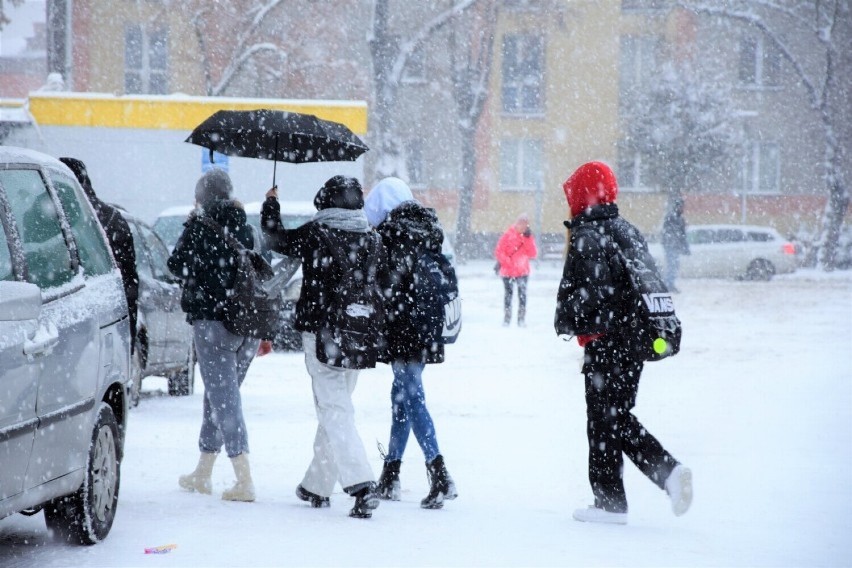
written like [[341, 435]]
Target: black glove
[[527, 233]]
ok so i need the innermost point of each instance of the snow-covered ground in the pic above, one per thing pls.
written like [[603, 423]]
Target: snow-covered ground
[[758, 404]]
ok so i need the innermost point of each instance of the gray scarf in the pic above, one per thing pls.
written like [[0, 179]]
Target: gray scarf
[[352, 220]]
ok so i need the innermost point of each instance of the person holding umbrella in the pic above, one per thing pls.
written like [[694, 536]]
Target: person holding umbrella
[[206, 266], [337, 242]]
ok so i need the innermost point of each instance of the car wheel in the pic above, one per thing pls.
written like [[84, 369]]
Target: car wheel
[[760, 269], [85, 517], [182, 382]]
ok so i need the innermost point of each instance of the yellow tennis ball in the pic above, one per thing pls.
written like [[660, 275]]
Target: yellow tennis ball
[[660, 346]]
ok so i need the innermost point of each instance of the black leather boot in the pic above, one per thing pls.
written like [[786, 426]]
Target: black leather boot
[[441, 485], [366, 499], [389, 486]]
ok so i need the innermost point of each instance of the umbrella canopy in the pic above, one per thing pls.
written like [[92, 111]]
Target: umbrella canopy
[[277, 135]]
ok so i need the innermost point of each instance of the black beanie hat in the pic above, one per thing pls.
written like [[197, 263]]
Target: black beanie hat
[[79, 169], [342, 192]]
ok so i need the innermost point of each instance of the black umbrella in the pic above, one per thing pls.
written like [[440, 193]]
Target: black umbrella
[[277, 135]]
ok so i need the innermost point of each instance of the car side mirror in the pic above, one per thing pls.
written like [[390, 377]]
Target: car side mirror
[[19, 301]]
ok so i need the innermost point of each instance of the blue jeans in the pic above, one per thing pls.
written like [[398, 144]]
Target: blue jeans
[[410, 412], [224, 359]]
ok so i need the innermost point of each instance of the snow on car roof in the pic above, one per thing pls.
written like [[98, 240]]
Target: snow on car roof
[[287, 208], [11, 154], [177, 211]]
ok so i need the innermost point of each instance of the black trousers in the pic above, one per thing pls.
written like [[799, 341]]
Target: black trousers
[[521, 282], [612, 382]]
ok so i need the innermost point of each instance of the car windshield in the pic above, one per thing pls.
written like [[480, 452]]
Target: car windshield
[[288, 220], [169, 228]]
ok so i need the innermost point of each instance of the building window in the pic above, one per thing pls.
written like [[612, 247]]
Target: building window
[[761, 172], [145, 60], [760, 63], [523, 74], [633, 172], [521, 164], [637, 64]]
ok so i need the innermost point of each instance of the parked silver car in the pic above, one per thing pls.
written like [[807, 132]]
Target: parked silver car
[[733, 251], [164, 344], [64, 352]]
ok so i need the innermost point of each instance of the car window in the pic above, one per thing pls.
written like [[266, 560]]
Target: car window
[[91, 247], [294, 221], [143, 265], [700, 236], [159, 254], [5, 257], [729, 236], [45, 250], [759, 237]]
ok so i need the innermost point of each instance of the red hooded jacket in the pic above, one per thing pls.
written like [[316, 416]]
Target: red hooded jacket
[[513, 252], [591, 184]]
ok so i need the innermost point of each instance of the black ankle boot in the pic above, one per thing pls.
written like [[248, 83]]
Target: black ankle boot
[[389, 486], [315, 500], [366, 499], [441, 485]]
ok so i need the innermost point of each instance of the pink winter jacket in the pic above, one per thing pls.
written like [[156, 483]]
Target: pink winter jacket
[[514, 252]]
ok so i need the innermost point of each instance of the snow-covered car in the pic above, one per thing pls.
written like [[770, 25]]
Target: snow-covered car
[[169, 225], [64, 352], [164, 344], [733, 251]]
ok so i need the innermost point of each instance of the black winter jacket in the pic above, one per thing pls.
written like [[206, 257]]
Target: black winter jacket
[[592, 293], [407, 231], [205, 263], [320, 274]]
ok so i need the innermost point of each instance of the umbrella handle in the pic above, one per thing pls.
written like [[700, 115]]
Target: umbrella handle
[[275, 161]]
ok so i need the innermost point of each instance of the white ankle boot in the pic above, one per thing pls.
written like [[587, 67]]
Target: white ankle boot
[[592, 514], [679, 488], [243, 489], [200, 479]]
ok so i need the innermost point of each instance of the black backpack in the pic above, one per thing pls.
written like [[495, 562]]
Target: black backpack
[[653, 327], [351, 326], [437, 310], [253, 305]]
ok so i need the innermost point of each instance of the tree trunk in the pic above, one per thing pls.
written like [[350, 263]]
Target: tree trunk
[[464, 235]]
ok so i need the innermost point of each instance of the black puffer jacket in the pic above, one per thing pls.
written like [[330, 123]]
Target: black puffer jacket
[[205, 263], [319, 272], [591, 296], [407, 231]]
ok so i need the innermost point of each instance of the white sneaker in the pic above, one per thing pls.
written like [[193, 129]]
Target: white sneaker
[[679, 488], [593, 514]]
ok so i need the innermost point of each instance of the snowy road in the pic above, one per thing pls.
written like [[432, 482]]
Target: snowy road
[[758, 404]]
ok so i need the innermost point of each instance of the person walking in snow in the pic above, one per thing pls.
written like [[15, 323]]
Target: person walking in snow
[[206, 266], [407, 229], [338, 239], [588, 302], [514, 250], [673, 236]]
